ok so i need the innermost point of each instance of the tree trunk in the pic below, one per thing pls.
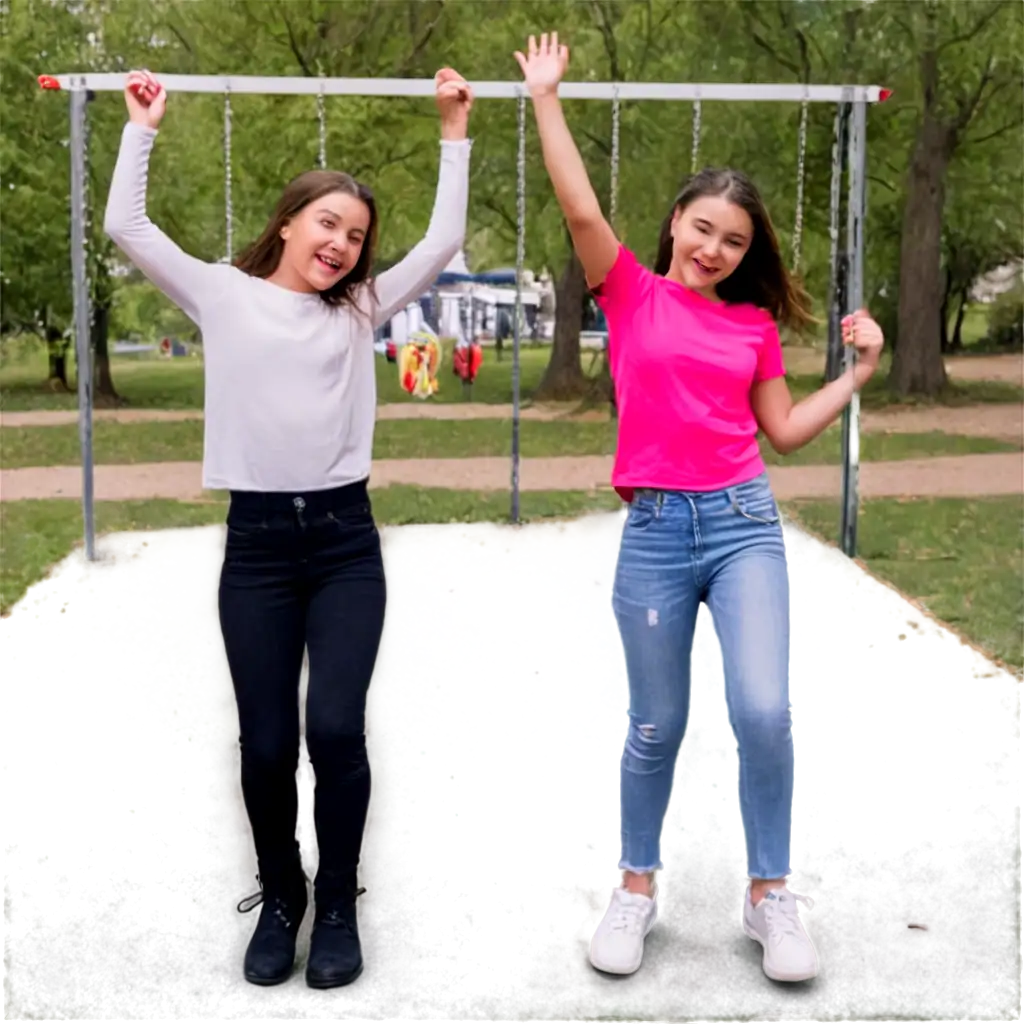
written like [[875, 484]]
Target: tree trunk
[[57, 353], [917, 366], [957, 344], [944, 310], [104, 392], [564, 378]]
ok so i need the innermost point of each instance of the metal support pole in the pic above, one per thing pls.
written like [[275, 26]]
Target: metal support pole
[[82, 317], [516, 327], [854, 300]]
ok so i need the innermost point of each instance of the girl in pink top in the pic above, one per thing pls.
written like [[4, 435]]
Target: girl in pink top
[[698, 370]]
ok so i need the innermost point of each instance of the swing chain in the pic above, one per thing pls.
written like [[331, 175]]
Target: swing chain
[[695, 151], [613, 188], [798, 227], [90, 305], [322, 119], [834, 190], [228, 211], [521, 191]]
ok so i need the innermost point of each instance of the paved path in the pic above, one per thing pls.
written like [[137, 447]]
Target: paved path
[[952, 476], [1003, 421]]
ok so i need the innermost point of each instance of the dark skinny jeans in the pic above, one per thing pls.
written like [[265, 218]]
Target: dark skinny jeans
[[303, 572]]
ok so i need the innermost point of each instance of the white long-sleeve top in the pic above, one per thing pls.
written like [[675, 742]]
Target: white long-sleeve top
[[290, 394]]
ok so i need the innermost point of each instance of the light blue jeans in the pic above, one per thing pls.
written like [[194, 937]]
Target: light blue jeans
[[724, 548]]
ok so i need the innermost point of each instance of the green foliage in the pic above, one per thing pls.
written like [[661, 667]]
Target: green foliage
[[391, 143], [141, 313], [1006, 321]]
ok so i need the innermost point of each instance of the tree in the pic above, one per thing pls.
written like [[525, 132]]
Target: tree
[[947, 106], [46, 37], [391, 143], [983, 229], [969, 58], [970, 253], [34, 169]]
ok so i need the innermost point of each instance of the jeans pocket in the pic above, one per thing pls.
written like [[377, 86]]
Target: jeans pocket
[[639, 516], [352, 517], [245, 529], [755, 501], [353, 527]]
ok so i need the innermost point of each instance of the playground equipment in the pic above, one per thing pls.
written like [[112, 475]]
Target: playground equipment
[[848, 157], [418, 363], [466, 362]]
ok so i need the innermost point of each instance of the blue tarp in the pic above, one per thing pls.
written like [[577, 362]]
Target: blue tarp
[[500, 276]]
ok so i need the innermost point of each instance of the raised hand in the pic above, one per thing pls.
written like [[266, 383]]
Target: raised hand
[[544, 65], [454, 101], [145, 98]]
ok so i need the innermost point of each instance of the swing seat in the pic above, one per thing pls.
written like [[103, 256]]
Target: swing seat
[[418, 363], [466, 362]]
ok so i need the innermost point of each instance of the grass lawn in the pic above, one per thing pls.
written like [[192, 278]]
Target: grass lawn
[[960, 558], [178, 384], [121, 443]]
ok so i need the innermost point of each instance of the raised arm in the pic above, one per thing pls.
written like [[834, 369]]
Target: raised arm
[[592, 235], [182, 278], [411, 277]]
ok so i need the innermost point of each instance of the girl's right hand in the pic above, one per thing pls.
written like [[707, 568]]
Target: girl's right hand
[[145, 98], [545, 64]]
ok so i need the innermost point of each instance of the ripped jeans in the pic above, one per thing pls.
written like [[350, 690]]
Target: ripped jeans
[[724, 548]]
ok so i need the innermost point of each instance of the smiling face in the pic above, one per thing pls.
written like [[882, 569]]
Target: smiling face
[[323, 242], [710, 237], [320, 238]]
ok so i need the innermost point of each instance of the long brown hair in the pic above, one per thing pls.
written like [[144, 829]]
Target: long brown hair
[[262, 257], [761, 278]]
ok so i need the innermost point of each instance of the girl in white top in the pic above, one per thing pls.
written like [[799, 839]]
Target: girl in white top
[[289, 416]]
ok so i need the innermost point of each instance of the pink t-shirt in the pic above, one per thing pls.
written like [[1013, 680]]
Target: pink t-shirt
[[683, 367]]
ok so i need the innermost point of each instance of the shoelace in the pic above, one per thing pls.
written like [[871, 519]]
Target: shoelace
[[334, 918], [628, 918], [278, 907], [257, 898], [781, 915]]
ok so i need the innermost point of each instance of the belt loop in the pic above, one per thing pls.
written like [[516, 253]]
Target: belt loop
[[660, 503]]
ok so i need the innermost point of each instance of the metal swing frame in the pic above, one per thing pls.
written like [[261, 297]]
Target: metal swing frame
[[846, 279]]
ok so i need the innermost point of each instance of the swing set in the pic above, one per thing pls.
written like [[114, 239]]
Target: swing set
[[846, 265]]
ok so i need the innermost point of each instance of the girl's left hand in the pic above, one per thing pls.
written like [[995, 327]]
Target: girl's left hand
[[860, 331], [454, 101], [865, 335]]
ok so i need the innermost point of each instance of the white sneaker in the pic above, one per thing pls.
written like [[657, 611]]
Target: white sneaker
[[618, 944], [789, 954]]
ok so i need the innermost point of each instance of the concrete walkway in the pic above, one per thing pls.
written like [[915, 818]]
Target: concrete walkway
[[947, 476]]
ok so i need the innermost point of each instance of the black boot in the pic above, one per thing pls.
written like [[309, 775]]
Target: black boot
[[335, 956], [270, 955]]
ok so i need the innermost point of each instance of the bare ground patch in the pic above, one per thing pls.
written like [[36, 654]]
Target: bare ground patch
[[953, 476]]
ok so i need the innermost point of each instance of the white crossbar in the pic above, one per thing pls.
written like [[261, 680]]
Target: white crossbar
[[486, 90]]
